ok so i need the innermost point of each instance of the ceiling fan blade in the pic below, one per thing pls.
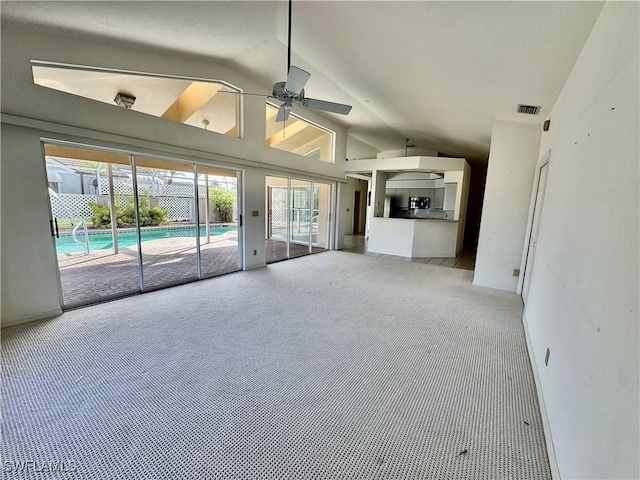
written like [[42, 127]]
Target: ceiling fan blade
[[325, 106], [296, 80], [246, 93], [283, 113]]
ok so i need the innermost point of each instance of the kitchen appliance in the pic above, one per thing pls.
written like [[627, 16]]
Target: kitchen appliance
[[388, 205], [422, 203]]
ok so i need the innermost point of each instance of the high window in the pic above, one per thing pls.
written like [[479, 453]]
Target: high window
[[207, 104], [299, 136]]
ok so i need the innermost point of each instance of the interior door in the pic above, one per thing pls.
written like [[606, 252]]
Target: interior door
[[535, 227]]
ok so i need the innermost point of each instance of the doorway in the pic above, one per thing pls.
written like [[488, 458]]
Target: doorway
[[124, 223], [356, 212], [535, 226]]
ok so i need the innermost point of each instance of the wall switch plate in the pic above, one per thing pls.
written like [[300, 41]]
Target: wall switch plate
[[255, 213], [546, 357], [516, 272]]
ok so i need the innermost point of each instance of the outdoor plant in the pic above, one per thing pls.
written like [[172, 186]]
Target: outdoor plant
[[221, 204], [101, 217]]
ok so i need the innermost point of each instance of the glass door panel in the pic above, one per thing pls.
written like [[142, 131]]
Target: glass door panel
[[218, 215], [277, 233], [300, 198], [167, 222], [320, 232], [88, 189]]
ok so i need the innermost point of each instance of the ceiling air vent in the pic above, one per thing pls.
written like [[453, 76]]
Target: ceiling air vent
[[529, 109]]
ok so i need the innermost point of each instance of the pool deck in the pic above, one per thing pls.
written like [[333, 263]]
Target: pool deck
[[102, 273], [88, 278]]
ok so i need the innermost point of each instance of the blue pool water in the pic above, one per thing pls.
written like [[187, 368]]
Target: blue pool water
[[101, 239]]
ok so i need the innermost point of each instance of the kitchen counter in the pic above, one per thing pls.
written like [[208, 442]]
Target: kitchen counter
[[424, 219], [414, 237]]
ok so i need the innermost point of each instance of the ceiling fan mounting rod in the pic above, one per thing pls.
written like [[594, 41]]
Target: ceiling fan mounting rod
[[289, 39]]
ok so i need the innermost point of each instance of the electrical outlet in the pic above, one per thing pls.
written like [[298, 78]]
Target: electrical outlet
[[255, 252], [546, 357], [255, 213], [516, 272]]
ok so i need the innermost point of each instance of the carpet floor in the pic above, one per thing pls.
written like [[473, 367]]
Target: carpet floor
[[336, 366]]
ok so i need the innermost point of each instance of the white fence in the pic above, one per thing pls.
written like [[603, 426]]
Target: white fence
[[125, 187], [71, 205], [75, 206]]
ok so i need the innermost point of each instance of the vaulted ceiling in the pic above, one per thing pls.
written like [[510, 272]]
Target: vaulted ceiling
[[437, 73]]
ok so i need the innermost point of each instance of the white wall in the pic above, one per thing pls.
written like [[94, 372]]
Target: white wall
[[31, 112], [29, 276], [512, 160], [357, 149], [584, 295], [408, 152]]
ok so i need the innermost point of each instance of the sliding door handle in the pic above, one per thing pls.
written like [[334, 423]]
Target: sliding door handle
[[55, 221]]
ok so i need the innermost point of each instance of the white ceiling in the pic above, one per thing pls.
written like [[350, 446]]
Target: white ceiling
[[435, 72]]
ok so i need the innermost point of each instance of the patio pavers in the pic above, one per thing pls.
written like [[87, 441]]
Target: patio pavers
[[102, 273]]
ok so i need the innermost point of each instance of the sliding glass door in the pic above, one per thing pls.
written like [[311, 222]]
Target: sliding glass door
[[218, 217], [298, 220], [97, 257], [277, 227], [166, 220], [125, 224], [320, 219]]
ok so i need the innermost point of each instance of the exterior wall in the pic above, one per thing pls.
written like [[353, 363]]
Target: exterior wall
[[512, 160], [584, 293], [31, 113]]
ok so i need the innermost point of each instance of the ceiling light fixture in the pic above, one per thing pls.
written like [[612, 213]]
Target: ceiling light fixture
[[124, 100]]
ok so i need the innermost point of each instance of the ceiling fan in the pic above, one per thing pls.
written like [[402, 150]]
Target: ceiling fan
[[292, 90]]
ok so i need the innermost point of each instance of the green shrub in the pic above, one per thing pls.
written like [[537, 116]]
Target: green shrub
[[221, 204], [101, 217]]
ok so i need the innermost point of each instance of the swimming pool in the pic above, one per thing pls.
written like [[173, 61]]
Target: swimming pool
[[102, 240]]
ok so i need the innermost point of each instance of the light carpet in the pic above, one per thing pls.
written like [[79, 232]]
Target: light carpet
[[333, 365]]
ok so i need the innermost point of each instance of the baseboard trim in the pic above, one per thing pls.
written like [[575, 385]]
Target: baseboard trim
[[553, 461], [253, 267], [33, 318]]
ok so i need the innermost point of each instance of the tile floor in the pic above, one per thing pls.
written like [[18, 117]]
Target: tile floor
[[466, 260]]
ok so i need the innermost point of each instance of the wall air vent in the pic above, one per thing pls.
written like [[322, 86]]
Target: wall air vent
[[529, 109]]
